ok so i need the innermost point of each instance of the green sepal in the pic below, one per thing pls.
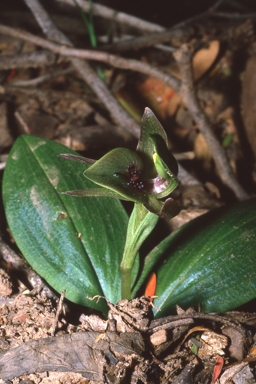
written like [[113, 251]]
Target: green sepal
[[150, 127], [166, 164], [119, 170]]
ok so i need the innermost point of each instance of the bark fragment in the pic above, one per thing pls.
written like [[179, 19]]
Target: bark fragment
[[90, 353]]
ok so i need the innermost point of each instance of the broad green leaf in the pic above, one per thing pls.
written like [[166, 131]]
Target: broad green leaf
[[74, 243], [211, 261], [119, 170]]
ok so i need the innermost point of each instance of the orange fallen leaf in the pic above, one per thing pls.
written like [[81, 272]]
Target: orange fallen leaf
[[159, 96], [217, 369], [151, 286]]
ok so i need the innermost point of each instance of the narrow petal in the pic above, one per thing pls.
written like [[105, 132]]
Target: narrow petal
[[94, 192]]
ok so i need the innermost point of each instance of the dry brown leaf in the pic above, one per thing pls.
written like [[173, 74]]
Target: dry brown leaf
[[204, 58], [161, 98]]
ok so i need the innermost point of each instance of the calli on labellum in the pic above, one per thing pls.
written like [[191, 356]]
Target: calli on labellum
[[145, 176]]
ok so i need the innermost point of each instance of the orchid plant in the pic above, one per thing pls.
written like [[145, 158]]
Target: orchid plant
[[143, 177]]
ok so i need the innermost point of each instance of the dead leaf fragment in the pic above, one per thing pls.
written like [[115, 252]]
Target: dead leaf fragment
[[213, 345], [204, 58], [237, 347], [231, 372], [244, 376]]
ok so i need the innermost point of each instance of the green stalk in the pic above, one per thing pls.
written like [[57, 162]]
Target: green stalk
[[88, 22], [141, 224]]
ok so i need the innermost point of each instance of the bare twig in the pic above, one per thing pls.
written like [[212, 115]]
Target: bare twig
[[177, 34], [41, 79], [22, 123], [177, 31], [71, 24], [216, 5], [112, 14], [116, 39], [116, 111], [28, 60], [188, 94], [59, 309], [149, 40], [171, 324], [197, 315], [232, 15]]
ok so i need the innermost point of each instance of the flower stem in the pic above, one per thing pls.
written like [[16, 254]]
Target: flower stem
[[140, 225], [126, 274]]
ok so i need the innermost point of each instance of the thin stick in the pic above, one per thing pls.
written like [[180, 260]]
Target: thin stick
[[216, 5], [59, 309], [188, 95], [207, 316], [22, 123], [112, 14], [116, 111], [176, 31], [239, 16], [33, 59], [41, 79]]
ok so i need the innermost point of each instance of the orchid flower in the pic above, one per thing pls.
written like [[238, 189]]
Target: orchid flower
[[145, 176]]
